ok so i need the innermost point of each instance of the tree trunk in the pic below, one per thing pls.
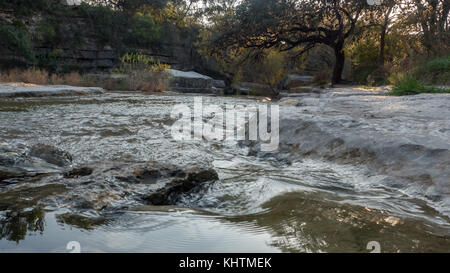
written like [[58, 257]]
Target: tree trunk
[[384, 29], [339, 65], [382, 45]]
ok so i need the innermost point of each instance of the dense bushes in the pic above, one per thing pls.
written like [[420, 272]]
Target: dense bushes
[[25, 7], [107, 24], [17, 40], [435, 71], [112, 26], [270, 71], [55, 26], [409, 85], [50, 32], [144, 30], [421, 78], [52, 61], [143, 73], [364, 58]]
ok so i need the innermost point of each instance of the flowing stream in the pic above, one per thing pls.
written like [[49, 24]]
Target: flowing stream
[[259, 204]]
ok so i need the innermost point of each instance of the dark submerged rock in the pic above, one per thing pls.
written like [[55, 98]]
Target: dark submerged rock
[[51, 154], [193, 177], [98, 185], [77, 172], [116, 185], [156, 198]]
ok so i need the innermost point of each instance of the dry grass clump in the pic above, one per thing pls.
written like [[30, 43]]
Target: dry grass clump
[[143, 73], [36, 76], [72, 78], [153, 82], [42, 77], [153, 79]]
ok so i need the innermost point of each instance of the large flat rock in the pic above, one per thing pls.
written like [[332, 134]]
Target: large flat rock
[[190, 82], [12, 90], [187, 74]]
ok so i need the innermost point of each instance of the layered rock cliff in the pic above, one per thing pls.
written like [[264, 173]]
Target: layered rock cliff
[[74, 37]]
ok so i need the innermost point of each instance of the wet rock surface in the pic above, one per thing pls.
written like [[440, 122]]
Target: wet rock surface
[[51, 154], [98, 185], [77, 172], [190, 82], [405, 138], [21, 161], [123, 152], [191, 179], [114, 185]]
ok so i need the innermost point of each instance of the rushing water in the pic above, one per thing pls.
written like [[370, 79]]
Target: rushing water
[[259, 205]]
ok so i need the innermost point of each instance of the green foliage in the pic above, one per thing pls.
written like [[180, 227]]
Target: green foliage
[[436, 71], [438, 65], [108, 24], [419, 79], [52, 62], [50, 32], [144, 30], [143, 72], [17, 40], [409, 85], [131, 6], [364, 57], [271, 70], [112, 25], [25, 7], [133, 61], [364, 53], [18, 23]]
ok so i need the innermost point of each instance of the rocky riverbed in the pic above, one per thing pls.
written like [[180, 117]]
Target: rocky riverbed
[[98, 185], [407, 139], [353, 166]]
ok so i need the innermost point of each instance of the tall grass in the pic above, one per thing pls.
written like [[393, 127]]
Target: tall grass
[[42, 77], [423, 78], [152, 78], [407, 84], [72, 78], [36, 76]]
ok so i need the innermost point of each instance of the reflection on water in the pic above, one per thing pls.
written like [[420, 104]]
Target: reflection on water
[[14, 225], [175, 230], [259, 205], [293, 224], [80, 221], [306, 223]]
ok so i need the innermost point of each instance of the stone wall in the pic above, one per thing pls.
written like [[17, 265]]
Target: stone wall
[[89, 53]]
